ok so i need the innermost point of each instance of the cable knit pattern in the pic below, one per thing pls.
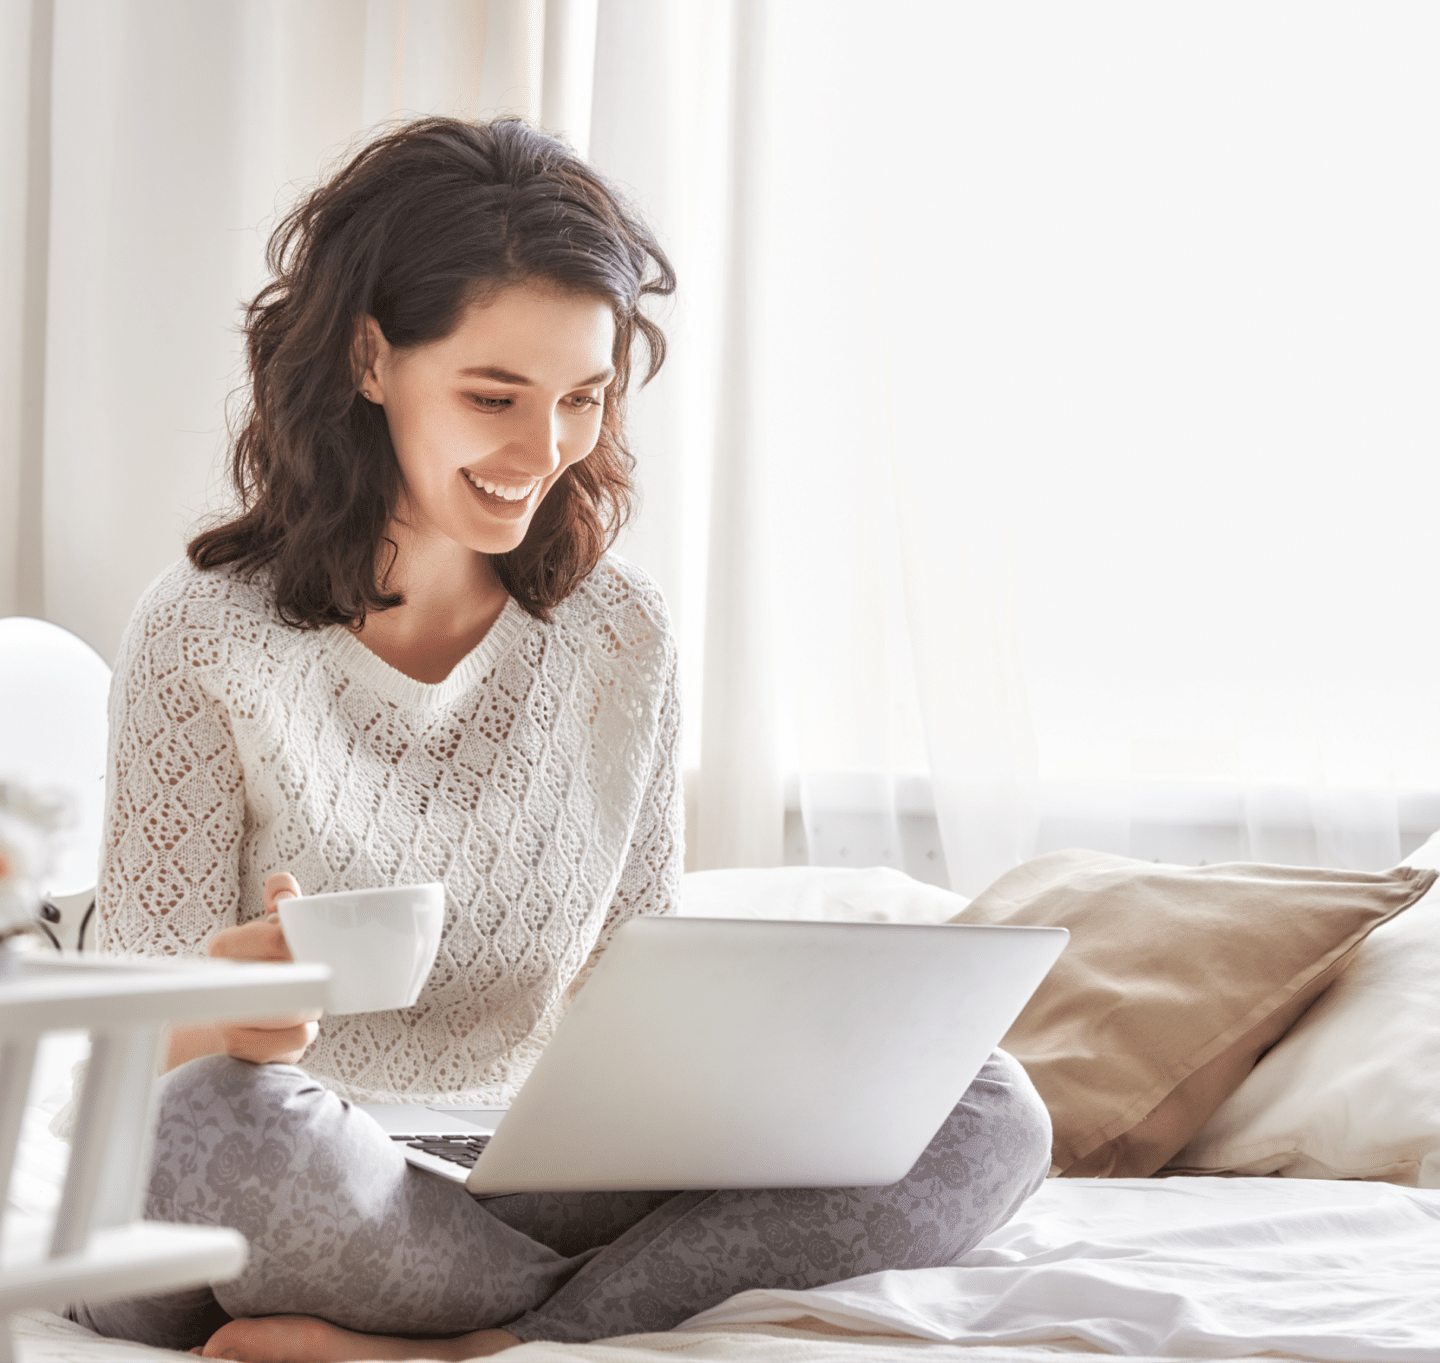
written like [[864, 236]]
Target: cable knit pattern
[[538, 782]]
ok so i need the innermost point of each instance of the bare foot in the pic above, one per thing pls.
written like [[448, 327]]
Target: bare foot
[[815, 1326], [304, 1339]]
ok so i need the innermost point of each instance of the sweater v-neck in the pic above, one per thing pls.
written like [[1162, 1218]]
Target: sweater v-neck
[[370, 669]]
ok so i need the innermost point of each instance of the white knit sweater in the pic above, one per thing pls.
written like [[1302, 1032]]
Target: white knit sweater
[[539, 782]]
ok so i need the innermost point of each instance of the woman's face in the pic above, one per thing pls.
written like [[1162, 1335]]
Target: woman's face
[[485, 420]]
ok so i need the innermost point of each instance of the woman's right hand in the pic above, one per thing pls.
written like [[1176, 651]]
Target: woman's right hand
[[261, 1041], [277, 1040]]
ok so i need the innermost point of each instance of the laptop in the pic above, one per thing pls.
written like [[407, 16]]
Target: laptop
[[737, 1053]]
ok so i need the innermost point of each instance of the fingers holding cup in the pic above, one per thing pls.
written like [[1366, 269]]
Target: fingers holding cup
[[281, 885]]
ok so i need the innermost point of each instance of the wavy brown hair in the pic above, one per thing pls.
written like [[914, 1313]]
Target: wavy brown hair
[[423, 220]]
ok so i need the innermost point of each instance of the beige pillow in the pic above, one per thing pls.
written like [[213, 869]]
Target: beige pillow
[[1353, 1091], [1176, 980]]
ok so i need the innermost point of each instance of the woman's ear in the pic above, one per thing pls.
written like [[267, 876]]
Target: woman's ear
[[370, 344]]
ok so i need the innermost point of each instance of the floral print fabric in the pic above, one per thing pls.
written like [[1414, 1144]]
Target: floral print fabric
[[341, 1227]]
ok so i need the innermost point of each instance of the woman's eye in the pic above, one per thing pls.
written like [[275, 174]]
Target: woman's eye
[[489, 404], [580, 401]]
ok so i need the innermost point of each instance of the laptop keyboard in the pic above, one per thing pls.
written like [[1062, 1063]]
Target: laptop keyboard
[[458, 1149]]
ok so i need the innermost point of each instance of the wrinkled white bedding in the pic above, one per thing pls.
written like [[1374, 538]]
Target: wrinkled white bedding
[[1202, 1267]]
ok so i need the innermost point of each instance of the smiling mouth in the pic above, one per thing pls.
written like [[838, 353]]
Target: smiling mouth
[[501, 493]]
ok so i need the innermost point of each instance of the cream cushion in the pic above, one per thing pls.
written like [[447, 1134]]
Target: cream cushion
[[1353, 1090]]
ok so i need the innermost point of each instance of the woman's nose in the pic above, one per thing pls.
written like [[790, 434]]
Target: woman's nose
[[540, 446]]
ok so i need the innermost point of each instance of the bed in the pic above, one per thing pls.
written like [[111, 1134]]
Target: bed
[[1279, 1230]]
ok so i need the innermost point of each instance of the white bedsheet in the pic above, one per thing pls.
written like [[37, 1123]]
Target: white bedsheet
[[1204, 1267]]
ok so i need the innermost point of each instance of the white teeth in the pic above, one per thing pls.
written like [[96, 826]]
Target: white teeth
[[508, 494]]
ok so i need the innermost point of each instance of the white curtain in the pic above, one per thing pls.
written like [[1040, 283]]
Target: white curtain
[[1059, 461], [1107, 335], [1047, 452]]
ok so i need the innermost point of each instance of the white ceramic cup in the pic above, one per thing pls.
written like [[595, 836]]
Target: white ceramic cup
[[379, 944]]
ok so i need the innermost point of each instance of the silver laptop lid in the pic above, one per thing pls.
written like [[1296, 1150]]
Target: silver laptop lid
[[723, 1053]]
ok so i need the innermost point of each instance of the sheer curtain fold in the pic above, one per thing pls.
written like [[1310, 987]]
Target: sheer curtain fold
[[740, 798], [26, 37], [679, 123]]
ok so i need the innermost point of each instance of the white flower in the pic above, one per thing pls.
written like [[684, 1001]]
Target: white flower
[[27, 821]]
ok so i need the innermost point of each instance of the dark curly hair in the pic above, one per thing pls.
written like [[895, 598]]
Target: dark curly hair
[[423, 220]]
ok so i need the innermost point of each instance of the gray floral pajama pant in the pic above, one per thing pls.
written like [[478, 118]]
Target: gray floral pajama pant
[[341, 1227]]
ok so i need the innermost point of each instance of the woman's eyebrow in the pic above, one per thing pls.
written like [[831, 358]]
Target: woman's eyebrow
[[490, 371]]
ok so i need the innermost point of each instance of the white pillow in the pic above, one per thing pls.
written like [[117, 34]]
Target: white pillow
[[1353, 1089], [874, 895]]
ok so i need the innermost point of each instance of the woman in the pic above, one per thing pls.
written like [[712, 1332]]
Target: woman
[[410, 658]]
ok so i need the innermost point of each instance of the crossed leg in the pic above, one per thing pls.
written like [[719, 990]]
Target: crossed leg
[[386, 1261]]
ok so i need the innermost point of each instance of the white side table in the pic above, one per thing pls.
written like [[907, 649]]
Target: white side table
[[96, 1246]]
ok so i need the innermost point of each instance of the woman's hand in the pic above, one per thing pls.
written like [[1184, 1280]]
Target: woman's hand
[[278, 1040], [262, 938], [263, 1041]]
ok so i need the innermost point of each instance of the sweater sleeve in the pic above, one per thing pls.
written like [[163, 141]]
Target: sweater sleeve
[[175, 799], [650, 878]]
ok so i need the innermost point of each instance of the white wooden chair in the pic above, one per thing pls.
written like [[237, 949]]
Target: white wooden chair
[[96, 1245], [53, 689]]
